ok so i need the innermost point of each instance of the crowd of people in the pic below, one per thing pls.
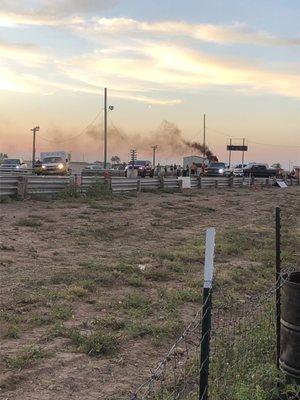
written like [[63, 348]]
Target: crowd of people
[[178, 170]]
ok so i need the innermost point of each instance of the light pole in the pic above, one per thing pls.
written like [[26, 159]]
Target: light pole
[[110, 108], [154, 148], [34, 130]]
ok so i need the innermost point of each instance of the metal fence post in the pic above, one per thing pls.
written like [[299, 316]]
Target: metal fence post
[[206, 316], [278, 271]]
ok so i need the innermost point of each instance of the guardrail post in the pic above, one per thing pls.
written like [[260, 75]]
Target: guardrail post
[[139, 185], [252, 181], [231, 181], [291, 180], [199, 182], [216, 183], [22, 187]]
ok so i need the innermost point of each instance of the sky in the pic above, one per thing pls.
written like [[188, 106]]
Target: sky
[[165, 64]]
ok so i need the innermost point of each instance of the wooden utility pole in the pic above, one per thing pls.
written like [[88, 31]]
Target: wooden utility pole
[[230, 153], [105, 128], [243, 153], [204, 137], [154, 148], [34, 130]]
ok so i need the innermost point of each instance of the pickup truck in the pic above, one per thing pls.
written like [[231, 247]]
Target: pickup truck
[[56, 163], [259, 171], [216, 169]]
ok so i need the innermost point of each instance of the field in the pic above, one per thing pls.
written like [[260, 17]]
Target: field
[[94, 291]]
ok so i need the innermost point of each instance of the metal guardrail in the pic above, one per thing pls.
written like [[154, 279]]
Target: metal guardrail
[[47, 184], [28, 184], [150, 184], [19, 171], [170, 183], [124, 185], [8, 185]]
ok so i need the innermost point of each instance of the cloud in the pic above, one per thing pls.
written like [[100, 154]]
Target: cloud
[[237, 33], [66, 14], [157, 67], [24, 53], [49, 12], [56, 7], [151, 62]]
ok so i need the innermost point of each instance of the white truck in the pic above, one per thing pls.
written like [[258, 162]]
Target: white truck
[[54, 162]]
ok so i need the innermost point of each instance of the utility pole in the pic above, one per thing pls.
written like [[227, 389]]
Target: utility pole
[[243, 153], [230, 143], [34, 130], [105, 128], [204, 139], [154, 148]]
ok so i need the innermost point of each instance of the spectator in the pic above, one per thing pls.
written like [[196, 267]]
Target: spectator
[[193, 169]]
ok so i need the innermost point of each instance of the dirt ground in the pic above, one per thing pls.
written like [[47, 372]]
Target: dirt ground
[[93, 292]]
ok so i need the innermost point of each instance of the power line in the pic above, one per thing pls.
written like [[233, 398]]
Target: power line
[[76, 136], [253, 142]]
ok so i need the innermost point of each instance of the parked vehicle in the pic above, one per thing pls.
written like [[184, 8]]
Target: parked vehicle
[[56, 163], [259, 171], [238, 169], [216, 169], [13, 164], [144, 168]]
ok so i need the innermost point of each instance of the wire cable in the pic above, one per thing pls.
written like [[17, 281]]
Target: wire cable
[[76, 136], [252, 141]]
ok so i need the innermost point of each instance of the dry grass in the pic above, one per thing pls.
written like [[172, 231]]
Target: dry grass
[[104, 286]]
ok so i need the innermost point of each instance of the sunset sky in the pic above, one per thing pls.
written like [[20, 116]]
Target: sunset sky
[[238, 61]]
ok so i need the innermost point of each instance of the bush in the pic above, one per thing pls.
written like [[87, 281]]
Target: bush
[[98, 189]]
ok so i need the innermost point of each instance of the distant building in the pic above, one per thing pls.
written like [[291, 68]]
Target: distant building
[[187, 161]]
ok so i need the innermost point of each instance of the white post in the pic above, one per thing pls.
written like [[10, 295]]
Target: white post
[[206, 313], [209, 257]]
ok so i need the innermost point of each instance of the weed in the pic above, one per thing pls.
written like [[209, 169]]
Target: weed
[[41, 320], [4, 247], [69, 192], [29, 222], [63, 313], [159, 275], [189, 295], [28, 356], [136, 301], [12, 331], [98, 189], [110, 323], [159, 332], [96, 344]]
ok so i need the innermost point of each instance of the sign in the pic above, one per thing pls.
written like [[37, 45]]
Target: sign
[[186, 182], [281, 184], [233, 147]]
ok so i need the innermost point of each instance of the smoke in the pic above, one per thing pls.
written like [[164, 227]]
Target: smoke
[[202, 149], [168, 137]]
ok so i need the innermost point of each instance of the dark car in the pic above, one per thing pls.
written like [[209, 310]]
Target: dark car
[[259, 171], [143, 167], [216, 169]]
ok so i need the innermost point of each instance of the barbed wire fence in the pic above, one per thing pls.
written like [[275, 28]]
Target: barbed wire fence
[[243, 353]]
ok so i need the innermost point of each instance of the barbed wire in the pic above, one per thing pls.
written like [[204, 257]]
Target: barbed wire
[[178, 373]]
